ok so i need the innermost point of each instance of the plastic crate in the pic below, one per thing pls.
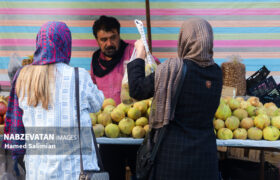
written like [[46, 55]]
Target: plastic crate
[[272, 96], [257, 77], [262, 88]]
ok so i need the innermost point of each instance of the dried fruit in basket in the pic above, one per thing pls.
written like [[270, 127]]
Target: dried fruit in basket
[[234, 74]]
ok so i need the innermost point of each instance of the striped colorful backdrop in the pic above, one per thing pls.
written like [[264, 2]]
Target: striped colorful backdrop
[[249, 28]]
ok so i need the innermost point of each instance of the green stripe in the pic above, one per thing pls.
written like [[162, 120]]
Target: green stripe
[[86, 5], [247, 36], [88, 36], [210, 5], [33, 36], [251, 36], [114, 5], [18, 35]]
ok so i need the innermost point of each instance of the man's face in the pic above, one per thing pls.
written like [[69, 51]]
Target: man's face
[[108, 42]]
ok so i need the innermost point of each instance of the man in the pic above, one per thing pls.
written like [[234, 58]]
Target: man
[[107, 66], [107, 70]]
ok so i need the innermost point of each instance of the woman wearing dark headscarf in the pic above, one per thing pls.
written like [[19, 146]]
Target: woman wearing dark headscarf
[[43, 98], [188, 150]]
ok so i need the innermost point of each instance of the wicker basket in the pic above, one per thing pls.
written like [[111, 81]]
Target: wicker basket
[[234, 74]]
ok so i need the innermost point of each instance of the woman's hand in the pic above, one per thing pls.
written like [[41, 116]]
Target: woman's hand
[[140, 49]]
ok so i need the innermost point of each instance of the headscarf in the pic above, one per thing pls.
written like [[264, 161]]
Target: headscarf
[[195, 44], [53, 45]]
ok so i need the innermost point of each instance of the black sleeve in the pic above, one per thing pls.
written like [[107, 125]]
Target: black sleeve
[[140, 87]]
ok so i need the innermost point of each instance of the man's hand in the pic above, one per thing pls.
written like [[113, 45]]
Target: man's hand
[[140, 49]]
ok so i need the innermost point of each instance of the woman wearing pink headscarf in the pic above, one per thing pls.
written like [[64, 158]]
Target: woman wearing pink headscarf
[[189, 149], [43, 99]]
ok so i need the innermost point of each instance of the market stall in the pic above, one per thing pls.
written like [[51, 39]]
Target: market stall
[[263, 145], [165, 20], [275, 145]]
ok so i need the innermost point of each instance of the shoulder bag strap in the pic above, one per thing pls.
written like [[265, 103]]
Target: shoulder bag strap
[[79, 125], [77, 90], [99, 160]]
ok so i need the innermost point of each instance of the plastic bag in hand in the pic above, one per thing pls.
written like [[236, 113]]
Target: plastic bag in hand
[[150, 67], [14, 65], [125, 97]]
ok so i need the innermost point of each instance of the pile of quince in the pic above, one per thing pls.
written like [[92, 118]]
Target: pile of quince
[[237, 118], [122, 120]]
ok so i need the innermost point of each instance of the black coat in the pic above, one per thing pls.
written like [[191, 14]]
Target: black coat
[[189, 150]]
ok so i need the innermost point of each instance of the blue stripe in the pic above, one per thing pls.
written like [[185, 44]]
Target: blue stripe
[[81, 62], [77, 62], [35, 29], [155, 30], [4, 62], [252, 64], [81, 0]]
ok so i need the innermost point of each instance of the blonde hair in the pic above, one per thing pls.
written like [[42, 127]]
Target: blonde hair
[[34, 81]]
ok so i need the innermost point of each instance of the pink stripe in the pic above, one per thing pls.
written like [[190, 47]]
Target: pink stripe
[[141, 11], [224, 43], [155, 43], [70, 11], [247, 43], [17, 42], [5, 83], [244, 11]]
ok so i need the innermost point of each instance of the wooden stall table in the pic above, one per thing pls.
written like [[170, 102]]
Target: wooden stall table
[[262, 145]]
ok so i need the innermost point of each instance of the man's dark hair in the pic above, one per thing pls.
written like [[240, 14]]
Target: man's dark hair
[[105, 23]]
